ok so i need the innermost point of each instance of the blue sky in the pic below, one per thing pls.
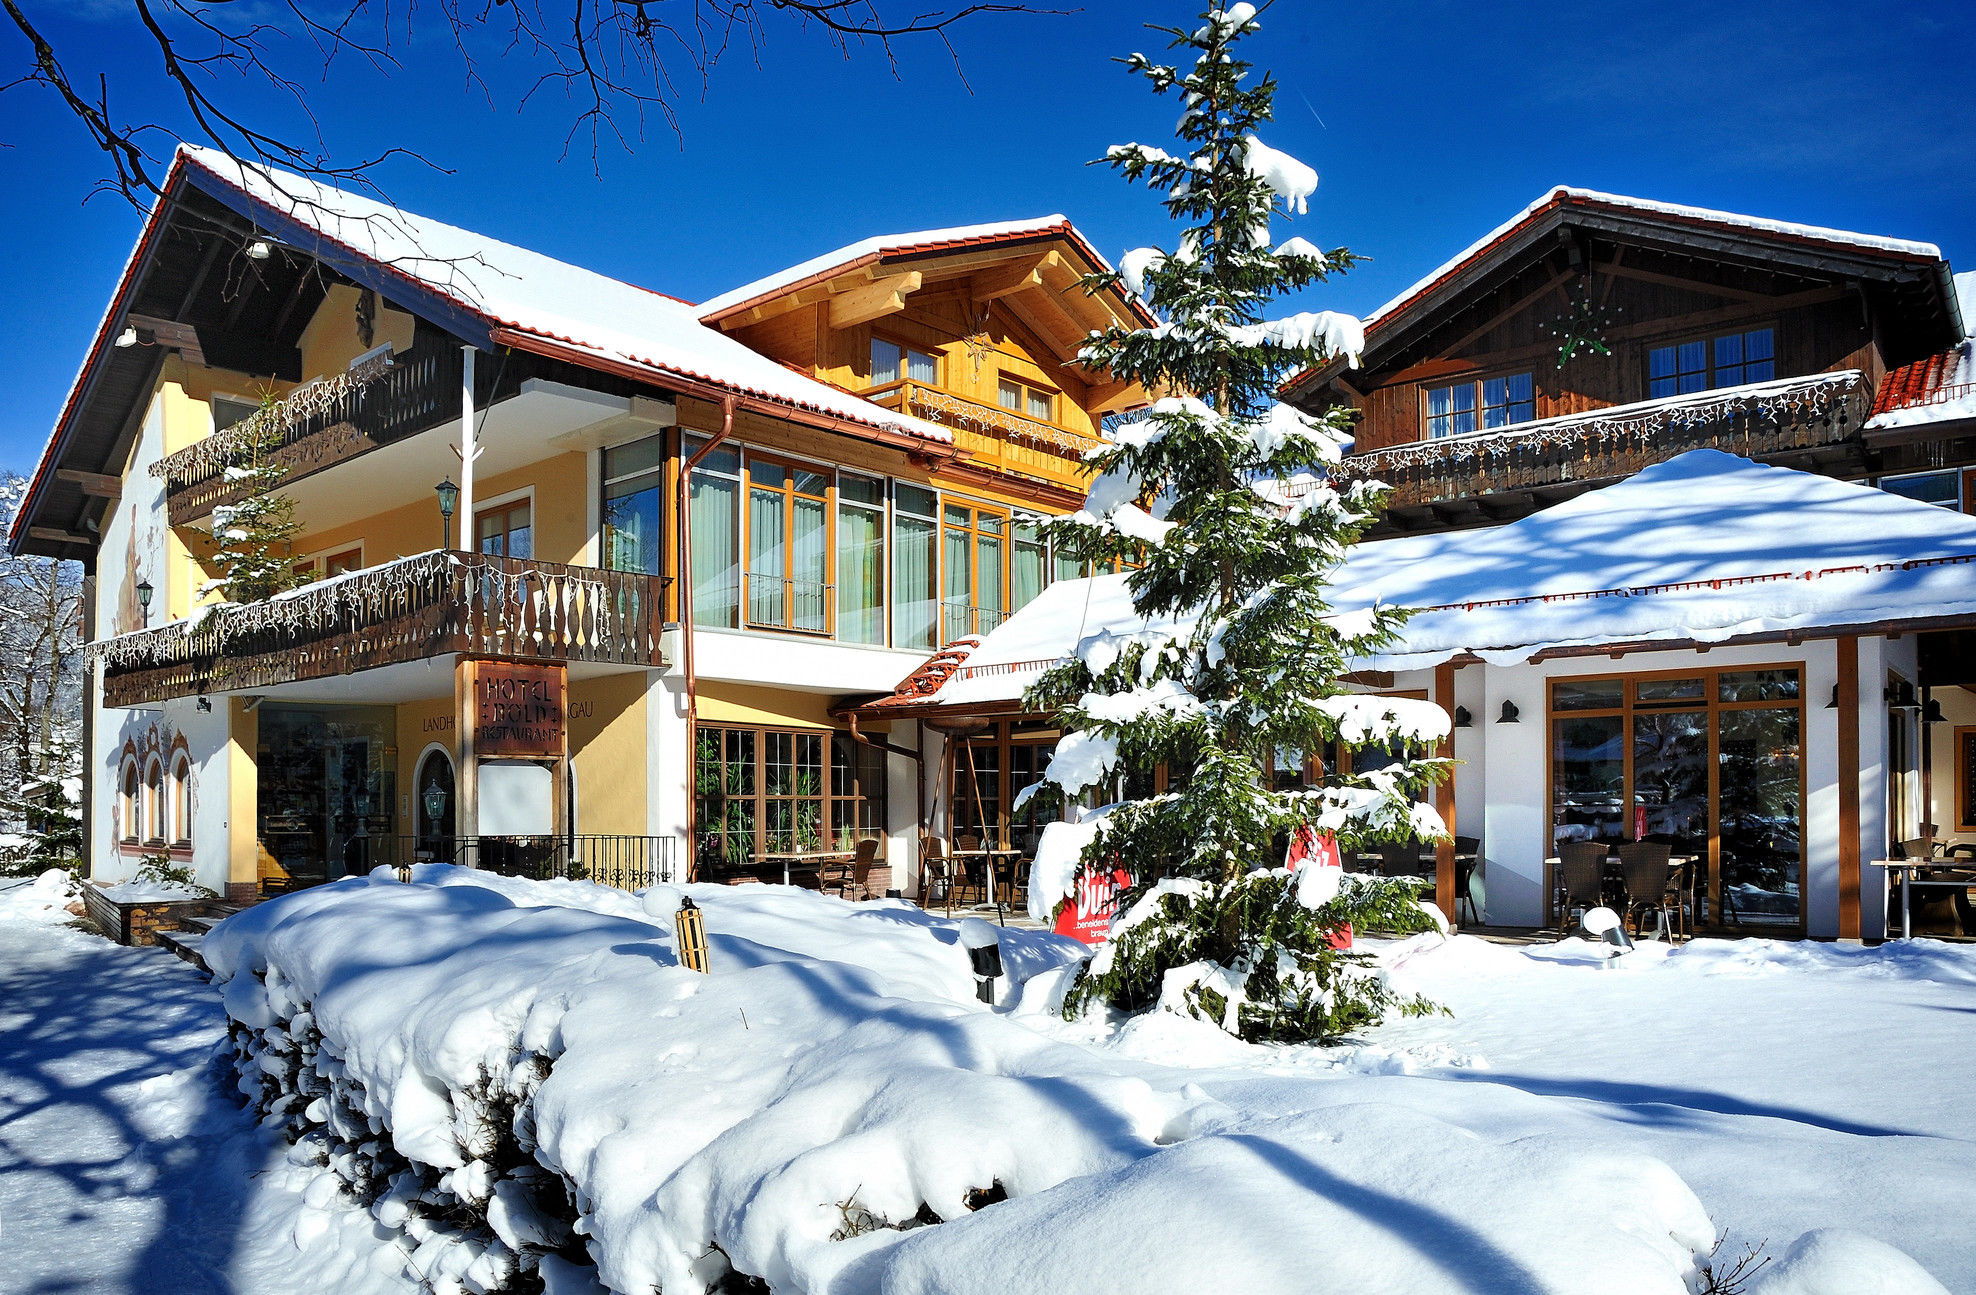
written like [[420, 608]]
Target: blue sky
[[1429, 123]]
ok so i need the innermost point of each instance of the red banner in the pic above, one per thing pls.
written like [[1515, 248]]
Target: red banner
[[1087, 915], [1314, 849]]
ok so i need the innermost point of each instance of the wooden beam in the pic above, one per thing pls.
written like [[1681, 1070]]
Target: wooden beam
[[171, 334], [1047, 317], [1688, 285], [99, 484], [1444, 800], [1104, 397], [875, 300], [1001, 281], [1849, 907], [1510, 311], [56, 535]]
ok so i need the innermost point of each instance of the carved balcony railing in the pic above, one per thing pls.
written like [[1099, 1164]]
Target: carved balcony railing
[[410, 610], [383, 400], [1758, 421], [992, 434]]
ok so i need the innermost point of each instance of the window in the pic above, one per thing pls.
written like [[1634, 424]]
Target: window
[[788, 552], [324, 565], [1027, 570], [181, 801], [765, 791], [915, 566], [860, 558], [129, 808], [892, 362], [154, 803], [228, 410], [990, 770], [1943, 488], [1501, 401], [1507, 400], [634, 487], [1703, 363], [1026, 398], [505, 530], [972, 556], [716, 536], [1710, 761]]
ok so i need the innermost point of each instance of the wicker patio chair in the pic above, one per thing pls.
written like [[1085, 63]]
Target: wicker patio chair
[[1647, 872], [1581, 878]]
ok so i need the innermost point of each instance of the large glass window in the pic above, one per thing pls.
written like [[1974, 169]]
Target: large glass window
[[1710, 762], [634, 493], [765, 792], [915, 566], [1021, 396], [505, 530], [1451, 410], [1943, 487], [860, 558], [1027, 569], [973, 553], [716, 537], [788, 549], [1701, 363]]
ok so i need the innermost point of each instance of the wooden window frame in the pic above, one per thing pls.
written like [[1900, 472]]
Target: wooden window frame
[[789, 467], [827, 798], [1965, 767], [1710, 701], [1479, 382], [1002, 737], [906, 350], [1029, 386], [156, 808], [1708, 339], [507, 503], [976, 510], [130, 801], [181, 800]]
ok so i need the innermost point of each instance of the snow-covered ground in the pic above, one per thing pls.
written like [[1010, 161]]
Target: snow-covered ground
[[1570, 1126]]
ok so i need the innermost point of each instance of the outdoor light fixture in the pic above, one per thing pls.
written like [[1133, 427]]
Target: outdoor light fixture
[[1834, 703], [1608, 926], [205, 705], [127, 338], [449, 499], [1462, 718], [434, 798], [1932, 712], [144, 592], [984, 950], [1900, 696], [1509, 713], [258, 250]]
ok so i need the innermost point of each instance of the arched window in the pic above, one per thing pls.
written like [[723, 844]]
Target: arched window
[[128, 808], [154, 802], [181, 801]]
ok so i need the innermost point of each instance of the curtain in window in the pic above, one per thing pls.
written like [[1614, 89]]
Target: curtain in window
[[913, 597], [716, 555], [809, 566], [860, 575], [1026, 572], [988, 565], [958, 589], [765, 557]]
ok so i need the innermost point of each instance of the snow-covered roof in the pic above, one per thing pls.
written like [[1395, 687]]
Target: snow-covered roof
[[1704, 547], [1934, 389], [884, 245], [591, 315], [1566, 195]]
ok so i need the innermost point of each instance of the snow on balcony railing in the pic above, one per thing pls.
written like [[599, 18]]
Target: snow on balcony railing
[[1755, 419], [949, 410]]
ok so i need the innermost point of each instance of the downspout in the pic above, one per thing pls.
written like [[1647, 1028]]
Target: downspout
[[685, 587]]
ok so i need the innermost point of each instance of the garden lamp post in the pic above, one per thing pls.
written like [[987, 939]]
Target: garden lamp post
[[144, 592]]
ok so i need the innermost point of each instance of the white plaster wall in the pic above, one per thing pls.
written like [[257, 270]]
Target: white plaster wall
[[155, 731], [1506, 769], [902, 810], [791, 661], [668, 764]]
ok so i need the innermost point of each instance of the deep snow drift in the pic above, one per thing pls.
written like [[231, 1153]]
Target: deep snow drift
[[830, 1109]]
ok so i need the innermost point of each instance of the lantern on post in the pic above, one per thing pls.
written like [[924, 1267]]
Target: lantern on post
[[984, 952], [449, 499], [144, 592], [690, 927]]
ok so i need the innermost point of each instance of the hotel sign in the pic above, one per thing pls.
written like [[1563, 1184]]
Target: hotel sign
[[519, 710]]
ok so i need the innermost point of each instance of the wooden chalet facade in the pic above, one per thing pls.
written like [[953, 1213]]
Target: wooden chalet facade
[[1595, 334]]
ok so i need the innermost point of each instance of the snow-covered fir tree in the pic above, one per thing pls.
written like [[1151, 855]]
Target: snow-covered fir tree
[[254, 538], [1195, 489]]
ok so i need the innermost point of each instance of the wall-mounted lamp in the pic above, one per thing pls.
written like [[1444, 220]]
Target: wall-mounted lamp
[[144, 592], [205, 705], [449, 499], [258, 250], [1462, 718], [127, 338], [1901, 696], [1932, 712], [1509, 715]]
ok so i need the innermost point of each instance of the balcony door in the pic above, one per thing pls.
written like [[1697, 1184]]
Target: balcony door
[[788, 547], [506, 530]]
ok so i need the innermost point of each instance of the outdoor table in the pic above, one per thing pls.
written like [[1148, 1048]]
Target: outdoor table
[[990, 858], [1910, 870], [802, 857]]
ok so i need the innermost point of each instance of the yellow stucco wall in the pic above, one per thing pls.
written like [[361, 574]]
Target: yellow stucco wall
[[242, 793], [330, 341], [733, 703], [607, 743], [560, 516], [421, 724]]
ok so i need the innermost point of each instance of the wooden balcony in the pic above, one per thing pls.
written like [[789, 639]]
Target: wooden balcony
[[994, 436], [1811, 422], [431, 605], [385, 400]]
